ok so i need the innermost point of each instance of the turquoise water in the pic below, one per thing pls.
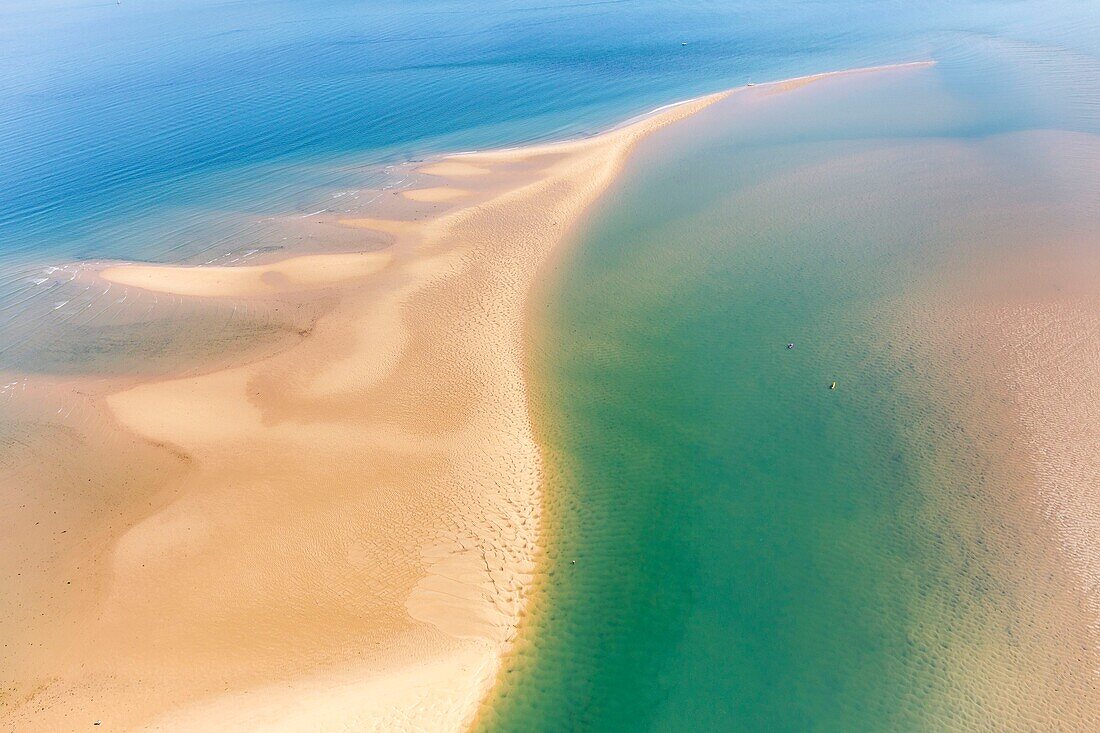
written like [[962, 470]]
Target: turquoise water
[[753, 550], [732, 544]]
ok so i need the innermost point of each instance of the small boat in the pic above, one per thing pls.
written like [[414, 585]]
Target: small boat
[[832, 386]]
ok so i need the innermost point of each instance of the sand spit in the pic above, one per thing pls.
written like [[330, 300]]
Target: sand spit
[[346, 530], [790, 85], [341, 535]]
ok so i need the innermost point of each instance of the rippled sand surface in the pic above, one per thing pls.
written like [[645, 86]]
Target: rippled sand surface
[[327, 514], [1026, 322], [339, 534]]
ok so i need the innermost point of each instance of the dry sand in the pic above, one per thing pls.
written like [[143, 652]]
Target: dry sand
[[339, 536]]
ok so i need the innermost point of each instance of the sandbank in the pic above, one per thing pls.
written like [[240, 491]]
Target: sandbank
[[437, 194], [341, 535], [295, 273], [452, 169]]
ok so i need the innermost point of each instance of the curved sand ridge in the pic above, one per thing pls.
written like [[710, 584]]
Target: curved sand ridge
[[350, 538], [350, 542], [286, 275]]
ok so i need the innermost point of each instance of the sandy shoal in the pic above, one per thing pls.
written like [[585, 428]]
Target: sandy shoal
[[1030, 320], [436, 194], [1010, 318], [341, 535], [289, 274], [452, 169], [1033, 315]]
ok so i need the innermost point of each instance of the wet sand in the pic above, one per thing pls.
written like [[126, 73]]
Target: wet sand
[[343, 534], [435, 195], [338, 535], [291, 274], [962, 564]]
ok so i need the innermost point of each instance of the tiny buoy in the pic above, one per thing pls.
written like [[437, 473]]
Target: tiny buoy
[[790, 346], [832, 386]]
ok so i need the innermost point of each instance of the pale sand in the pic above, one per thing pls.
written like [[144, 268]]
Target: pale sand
[[341, 535], [438, 194], [452, 169], [296, 273], [347, 534]]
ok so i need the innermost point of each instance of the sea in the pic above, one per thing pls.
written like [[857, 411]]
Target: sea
[[730, 543]]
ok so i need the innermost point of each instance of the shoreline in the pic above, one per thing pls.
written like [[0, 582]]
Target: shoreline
[[351, 535]]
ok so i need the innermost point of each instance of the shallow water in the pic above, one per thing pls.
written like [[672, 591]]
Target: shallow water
[[753, 550], [194, 131], [732, 544]]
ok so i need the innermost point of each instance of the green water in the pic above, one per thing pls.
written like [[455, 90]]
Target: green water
[[731, 544]]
